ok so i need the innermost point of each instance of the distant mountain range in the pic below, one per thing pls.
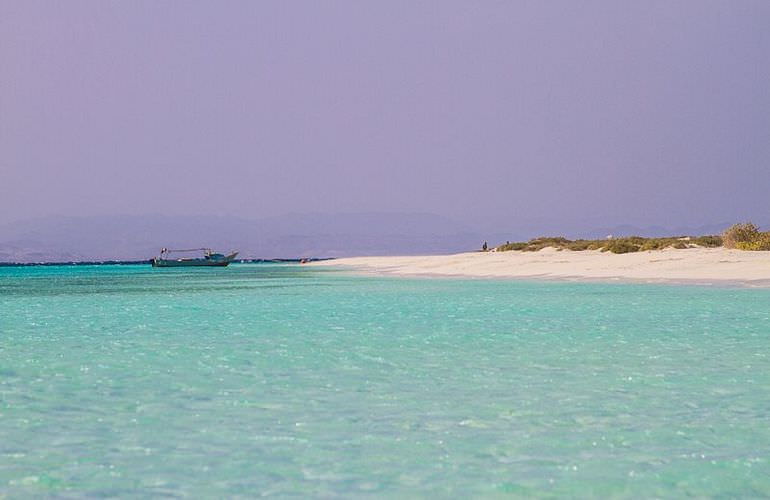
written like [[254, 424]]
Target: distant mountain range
[[62, 239], [124, 237]]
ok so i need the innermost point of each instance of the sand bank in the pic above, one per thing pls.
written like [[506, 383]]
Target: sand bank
[[696, 265]]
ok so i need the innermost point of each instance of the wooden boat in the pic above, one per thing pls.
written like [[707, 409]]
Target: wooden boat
[[209, 258]]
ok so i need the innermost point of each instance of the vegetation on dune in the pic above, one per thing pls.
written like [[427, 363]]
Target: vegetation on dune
[[746, 236], [615, 245]]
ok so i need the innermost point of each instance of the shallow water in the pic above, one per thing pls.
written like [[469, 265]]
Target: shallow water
[[287, 381]]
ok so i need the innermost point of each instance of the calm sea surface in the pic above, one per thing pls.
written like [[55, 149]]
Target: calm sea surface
[[282, 380]]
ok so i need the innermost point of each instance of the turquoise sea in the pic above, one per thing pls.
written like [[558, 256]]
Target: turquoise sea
[[287, 381]]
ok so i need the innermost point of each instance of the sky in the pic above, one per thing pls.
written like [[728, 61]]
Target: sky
[[590, 112]]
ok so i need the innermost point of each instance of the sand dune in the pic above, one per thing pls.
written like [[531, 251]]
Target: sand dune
[[697, 265]]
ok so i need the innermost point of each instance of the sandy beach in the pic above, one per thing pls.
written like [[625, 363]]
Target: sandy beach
[[694, 265]]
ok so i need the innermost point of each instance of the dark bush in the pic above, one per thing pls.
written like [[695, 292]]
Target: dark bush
[[708, 241], [760, 242], [511, 246], [739, 233], [622, 246]]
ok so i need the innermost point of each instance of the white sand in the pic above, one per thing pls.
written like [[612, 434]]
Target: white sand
[[697, 265]]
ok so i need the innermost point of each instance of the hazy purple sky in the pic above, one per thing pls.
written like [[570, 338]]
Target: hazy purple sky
[[644, 112]]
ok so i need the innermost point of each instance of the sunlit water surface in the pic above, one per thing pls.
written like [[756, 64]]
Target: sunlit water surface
[[288, 381]]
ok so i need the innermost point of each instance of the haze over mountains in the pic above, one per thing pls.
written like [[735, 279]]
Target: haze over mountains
[[134, 237], [289, 236]]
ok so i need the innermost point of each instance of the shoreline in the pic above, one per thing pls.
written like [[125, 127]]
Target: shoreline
[[692, 266]]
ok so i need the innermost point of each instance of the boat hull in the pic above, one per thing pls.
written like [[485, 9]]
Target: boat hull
[[222, 262], [187, 263]]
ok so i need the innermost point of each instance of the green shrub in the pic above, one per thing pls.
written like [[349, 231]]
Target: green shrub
[[739, 233], [653, 244], [763, 242], [537, 244], [579, 245], [708, 241], [759, 243], [621, 246], [511, 246]]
